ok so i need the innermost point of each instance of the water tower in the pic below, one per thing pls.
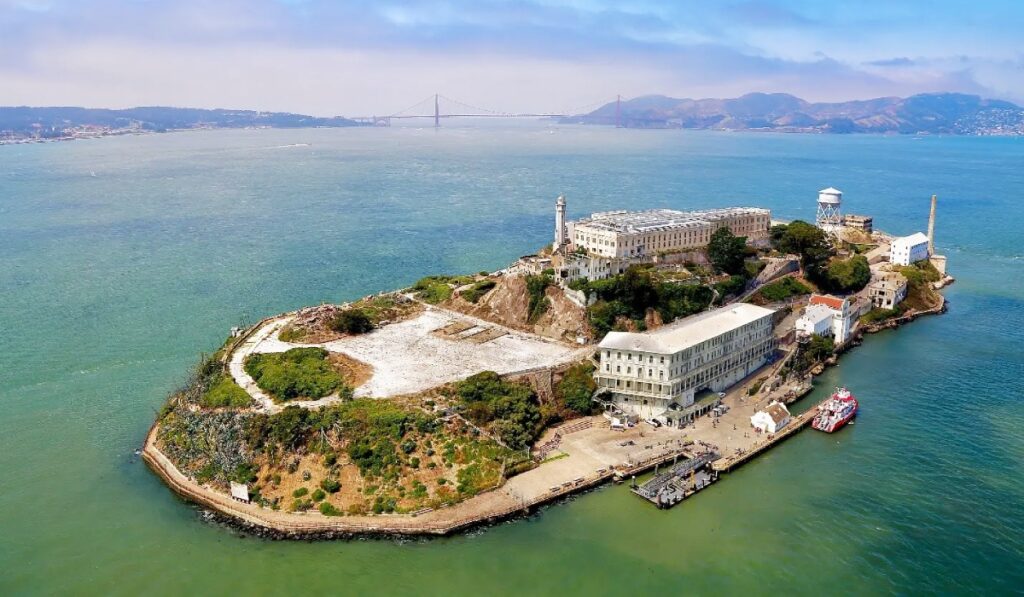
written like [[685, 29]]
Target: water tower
[[829, 217]]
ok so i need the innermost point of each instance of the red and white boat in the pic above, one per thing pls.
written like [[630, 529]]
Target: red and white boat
[[835, 412]]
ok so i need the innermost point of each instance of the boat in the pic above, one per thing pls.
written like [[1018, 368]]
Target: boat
[[835, 412]]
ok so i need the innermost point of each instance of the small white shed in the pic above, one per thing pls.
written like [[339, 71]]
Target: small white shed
[[771, 419]]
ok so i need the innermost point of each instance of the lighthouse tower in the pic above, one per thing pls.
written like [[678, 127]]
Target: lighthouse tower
[[830, 218], [560, 233]]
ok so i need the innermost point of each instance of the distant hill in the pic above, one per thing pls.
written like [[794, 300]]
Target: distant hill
[[63, 122], [945, 113]]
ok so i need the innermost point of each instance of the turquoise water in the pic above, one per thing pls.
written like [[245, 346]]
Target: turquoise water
[[122, 258]]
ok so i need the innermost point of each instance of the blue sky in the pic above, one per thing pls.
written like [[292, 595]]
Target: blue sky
[[366, 57]]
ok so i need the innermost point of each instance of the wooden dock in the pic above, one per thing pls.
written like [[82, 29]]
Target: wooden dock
[[795, 424]]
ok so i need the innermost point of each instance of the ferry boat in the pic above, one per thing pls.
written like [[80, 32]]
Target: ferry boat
[[835, 412]]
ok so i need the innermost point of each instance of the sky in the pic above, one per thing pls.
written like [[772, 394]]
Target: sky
[[359, 58]]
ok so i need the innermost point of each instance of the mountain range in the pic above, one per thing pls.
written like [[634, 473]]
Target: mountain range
[[934, 113]]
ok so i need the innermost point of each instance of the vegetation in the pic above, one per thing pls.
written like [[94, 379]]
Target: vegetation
[[296, 373], [292, 333], [878, 315], [224, 392], [437, 289], [781, 290], [727, 251], [849, 275], [511, 410], [732, 286], [817, 350], [475, 292], [352, 321], [633, 292], [539, 303], [920, 293], [330, 485], [575, 389]]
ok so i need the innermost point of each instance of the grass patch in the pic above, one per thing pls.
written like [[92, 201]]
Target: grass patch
[[475, 292], [294, 374], [224, 392]]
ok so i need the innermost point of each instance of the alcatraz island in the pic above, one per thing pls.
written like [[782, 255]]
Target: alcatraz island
[[649, 340]]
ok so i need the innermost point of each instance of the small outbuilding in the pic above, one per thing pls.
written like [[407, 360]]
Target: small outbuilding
[[240, 492], [771, 419]]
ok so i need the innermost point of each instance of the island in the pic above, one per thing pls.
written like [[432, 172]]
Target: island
[[657, 339]]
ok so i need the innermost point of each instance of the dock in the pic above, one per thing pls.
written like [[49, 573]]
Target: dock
[[679, 482], [795, 424]]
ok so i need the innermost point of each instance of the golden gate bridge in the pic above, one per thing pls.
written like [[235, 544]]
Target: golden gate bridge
[[431, 108]]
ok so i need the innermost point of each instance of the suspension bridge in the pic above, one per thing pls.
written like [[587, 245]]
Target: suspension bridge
[[438, 107]]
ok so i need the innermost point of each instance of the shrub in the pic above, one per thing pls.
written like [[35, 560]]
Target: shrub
[[291, 333], [576, 388], [328, 509], [433, 289], [330, 485], [301, 505], [783, 289], [848, 275], [330, 459], [475, 292], [539, 303], [511, 407], [224, 392], [319, 495], [352, 321], [296, 373], [300, 492]]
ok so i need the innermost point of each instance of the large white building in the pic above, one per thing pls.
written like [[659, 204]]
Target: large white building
[[656, 374], [906, 250], [636, 234]]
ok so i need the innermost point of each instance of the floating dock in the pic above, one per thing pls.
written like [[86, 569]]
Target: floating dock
[[679, 482]]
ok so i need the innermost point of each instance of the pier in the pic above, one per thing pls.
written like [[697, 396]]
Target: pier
[[679, 482], [795, 424]]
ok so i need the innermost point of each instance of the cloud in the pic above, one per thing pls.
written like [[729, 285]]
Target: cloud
[[365, 56]]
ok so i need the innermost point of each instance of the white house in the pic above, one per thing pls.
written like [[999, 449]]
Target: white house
[[816, 321], [909, 249], [771, 419], [827, 315]]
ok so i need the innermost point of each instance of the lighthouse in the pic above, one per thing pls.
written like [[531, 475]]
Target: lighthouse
[[560, 233]]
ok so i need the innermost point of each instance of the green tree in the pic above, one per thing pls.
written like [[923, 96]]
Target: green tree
[[576, 388], [726, 251], [807, 241], [848, 275], [352, 321]]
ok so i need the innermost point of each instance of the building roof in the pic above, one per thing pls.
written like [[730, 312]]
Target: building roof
[[832, 302], [687, 332], [778, 412], [916, 238], [817, 313], [662, 219], [240, 491], [892, 280]]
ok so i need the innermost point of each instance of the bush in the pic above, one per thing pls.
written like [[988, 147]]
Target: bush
[[511, 408], [291, 333], [782, 289], [330, 485], [301, 505], [475, 292], [297, 373], [352, 321], [224, 392], [327, 509], [576, 388], [319, 495], [300, 492], [539, 303], [849, 275]]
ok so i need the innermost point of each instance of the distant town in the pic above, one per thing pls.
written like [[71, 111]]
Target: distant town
[[662, 340]]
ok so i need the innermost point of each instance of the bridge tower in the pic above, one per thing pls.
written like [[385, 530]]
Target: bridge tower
[[437, 112]]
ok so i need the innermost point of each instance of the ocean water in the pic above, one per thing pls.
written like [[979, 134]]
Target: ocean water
[[122, 258]]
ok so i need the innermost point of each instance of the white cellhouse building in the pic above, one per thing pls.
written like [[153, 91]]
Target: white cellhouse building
[[656, 374], [635, 234]]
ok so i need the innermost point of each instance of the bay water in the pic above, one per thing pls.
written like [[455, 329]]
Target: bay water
[[121, 259]]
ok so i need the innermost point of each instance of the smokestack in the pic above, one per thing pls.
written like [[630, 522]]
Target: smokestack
[[931, 229]]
